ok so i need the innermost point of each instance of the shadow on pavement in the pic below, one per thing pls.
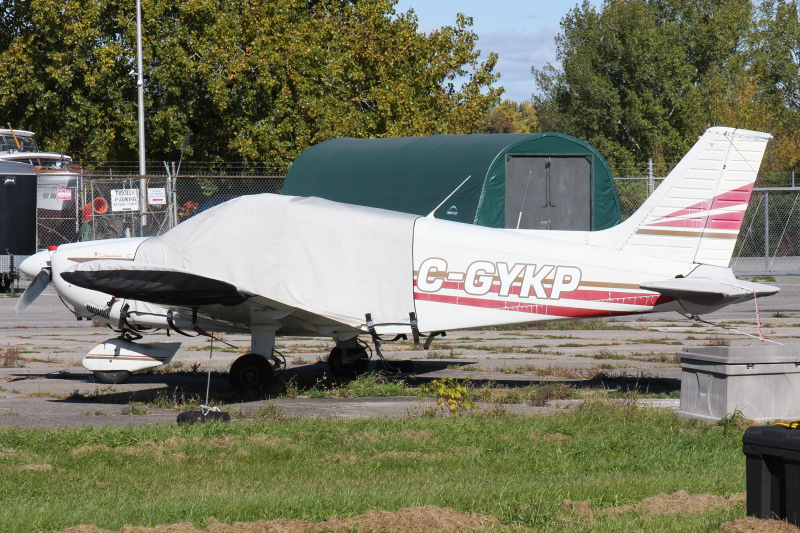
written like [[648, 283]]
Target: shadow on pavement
[[180, 388]]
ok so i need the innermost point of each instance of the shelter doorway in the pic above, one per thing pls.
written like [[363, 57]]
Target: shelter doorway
[[549, 191]]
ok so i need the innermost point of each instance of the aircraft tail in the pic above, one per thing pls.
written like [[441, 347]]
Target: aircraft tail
[[696, 213]]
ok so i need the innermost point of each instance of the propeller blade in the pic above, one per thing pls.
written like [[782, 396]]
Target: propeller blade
[[37, 286]]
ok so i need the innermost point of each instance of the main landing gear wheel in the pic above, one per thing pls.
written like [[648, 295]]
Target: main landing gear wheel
[[112, 378], [250, 372], [348, 363]]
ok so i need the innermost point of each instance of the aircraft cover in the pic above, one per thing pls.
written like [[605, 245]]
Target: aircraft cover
[[299, 252]]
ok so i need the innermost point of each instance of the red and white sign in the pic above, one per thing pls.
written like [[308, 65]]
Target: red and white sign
[[64, 194], [156, 196]]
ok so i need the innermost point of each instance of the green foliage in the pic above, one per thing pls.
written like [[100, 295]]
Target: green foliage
[[369, 385], [764, 279], [134, 409], [254, 81], [510, 117], [449, 393], [642, 79]]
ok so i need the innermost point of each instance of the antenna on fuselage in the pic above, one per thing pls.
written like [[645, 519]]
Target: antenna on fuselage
[[430, 215]]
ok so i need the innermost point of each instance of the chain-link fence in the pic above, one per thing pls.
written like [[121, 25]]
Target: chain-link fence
[[632, 192], [58, 203], [85, 206], [769, 241]]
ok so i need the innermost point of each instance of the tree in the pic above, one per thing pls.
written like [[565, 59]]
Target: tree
[[642, 78], [64, 75], [510, 117], [776, 64], [255, 80]]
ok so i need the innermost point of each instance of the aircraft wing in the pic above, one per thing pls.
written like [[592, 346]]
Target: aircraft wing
[[159, 284], [182, 289]]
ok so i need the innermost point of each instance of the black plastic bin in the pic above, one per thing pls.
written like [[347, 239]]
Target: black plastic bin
[[773, 472], [17, 208]]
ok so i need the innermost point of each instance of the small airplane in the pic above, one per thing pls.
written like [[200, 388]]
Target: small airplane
[[273, 265]]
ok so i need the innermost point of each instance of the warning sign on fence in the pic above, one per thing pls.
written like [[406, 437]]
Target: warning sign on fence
[[125, 200], [64, 194], [156, 196]]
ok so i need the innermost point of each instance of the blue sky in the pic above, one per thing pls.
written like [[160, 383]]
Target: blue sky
[[522, 32]]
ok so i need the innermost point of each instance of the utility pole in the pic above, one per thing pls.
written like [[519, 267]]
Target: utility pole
[[140, 90]]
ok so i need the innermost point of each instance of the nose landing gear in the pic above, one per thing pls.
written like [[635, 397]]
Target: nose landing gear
[[348, 360]]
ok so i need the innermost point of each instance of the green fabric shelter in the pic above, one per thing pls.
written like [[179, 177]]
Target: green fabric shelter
[[534, 181]]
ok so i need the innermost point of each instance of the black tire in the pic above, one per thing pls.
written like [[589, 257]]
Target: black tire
[[112, 378], [340, 370], [250, 372]]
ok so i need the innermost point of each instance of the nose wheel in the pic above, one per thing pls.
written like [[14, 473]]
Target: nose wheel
[[112, 378], [347, 363]]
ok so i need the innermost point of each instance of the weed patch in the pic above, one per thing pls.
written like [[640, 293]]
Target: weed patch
[[532, 394], [717, 340], [449, 394], [605, 353], [134, 409], [543, 394], [371, 384], [9, 356]]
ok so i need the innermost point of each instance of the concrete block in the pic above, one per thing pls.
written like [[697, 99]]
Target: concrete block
[[761, 382]]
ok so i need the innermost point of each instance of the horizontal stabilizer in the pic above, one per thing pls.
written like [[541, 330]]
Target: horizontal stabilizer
[[711, 291], [708, 292], [159, 284]]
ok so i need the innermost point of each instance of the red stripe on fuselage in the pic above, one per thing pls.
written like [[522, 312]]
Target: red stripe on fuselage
[[550, 309], [579, 294]]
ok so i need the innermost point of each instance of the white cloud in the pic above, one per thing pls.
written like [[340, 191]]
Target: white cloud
[[517, 53], [425, 28]]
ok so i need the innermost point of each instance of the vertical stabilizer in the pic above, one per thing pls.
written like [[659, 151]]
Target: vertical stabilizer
[[696, 214]]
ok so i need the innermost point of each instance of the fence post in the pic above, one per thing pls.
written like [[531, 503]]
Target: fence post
[[766, 231], [174, 198], [80, 196], [650, 182], [171, 198]]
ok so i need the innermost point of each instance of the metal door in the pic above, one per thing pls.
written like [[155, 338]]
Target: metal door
[[549, 191]]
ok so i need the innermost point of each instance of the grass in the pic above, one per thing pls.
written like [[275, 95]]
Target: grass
[[716, 340], [370, 385], [605, 353], [134, 409], [280, 467]]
